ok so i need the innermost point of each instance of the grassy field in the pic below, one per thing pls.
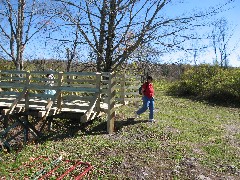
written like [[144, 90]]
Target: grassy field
[[190, 140]]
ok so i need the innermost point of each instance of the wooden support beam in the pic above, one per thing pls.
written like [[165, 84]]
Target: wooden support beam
[[41, 113], [5, 112], [111, 102], [27, 125], [122, 89], [98, 86], [88, 115], [14, 104], [59, 99]]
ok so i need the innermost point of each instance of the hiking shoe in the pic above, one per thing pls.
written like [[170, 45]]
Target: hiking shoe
[[151, 120]]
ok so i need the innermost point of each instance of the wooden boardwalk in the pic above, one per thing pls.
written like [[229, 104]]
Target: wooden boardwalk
[[79, 95], [39, 107]]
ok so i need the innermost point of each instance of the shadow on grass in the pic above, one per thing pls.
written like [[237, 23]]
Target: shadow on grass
[[130, 121], [224, 101], [231, 103], [70, 129]]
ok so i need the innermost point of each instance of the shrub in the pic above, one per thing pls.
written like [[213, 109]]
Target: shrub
[[207, 81], [6, 65]]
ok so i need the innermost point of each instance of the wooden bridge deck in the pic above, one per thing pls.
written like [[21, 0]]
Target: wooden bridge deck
[[75, 93], [79, 95], [40, 105]]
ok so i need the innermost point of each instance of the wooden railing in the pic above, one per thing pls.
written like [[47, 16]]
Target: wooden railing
[[84, 92]]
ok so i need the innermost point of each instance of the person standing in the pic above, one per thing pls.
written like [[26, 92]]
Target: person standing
[[50, 82], [148, 99]]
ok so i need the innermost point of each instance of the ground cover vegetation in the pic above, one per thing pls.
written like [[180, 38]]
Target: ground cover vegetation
[[211, 83], [191, 139]]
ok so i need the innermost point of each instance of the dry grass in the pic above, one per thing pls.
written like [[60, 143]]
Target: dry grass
[[190, 140]]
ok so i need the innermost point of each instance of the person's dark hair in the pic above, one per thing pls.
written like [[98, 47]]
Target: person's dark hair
[[149, 78]]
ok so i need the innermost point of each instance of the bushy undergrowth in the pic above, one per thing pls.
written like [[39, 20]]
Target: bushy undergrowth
[[209, 82]]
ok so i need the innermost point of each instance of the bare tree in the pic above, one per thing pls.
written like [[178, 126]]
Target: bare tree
[[21, 20], [114, 29], [197, 47], [71, 53], [221, 36], [68, 46]]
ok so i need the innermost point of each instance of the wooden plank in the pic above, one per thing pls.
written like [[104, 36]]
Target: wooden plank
[[80, 85], [5, 111], [66, 81], [41, 113], [13, 79], [72, 111], [103, 91], [40, 95], [9, 93], [18, 109], [75, 107], [27, 125], [13, 72], [40, 87], [49, 105], [106, 73], [79, 73], [90, 110], [11, 85], [41, 79], [98, 86], [44, 72], [59, 99], [111, 93], [77, 98], [14, 104], [80, 89]]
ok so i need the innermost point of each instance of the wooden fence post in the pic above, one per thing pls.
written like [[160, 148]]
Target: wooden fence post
[[98, 84], [59, 100], [122, 89], [25, 129], [11, 80], [28, 76], [111, 103]]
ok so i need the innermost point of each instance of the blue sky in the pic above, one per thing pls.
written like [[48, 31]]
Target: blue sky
[[231, 13], [41, 50]]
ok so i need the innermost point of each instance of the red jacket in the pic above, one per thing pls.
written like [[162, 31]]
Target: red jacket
[[148, 89]]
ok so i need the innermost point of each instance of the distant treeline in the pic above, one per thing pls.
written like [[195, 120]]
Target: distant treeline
[[193, 80], [158, 71]]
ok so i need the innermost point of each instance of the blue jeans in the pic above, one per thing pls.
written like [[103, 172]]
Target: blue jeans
[[147, 103]]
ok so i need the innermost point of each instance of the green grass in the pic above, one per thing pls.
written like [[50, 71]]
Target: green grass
[[190, 139]]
